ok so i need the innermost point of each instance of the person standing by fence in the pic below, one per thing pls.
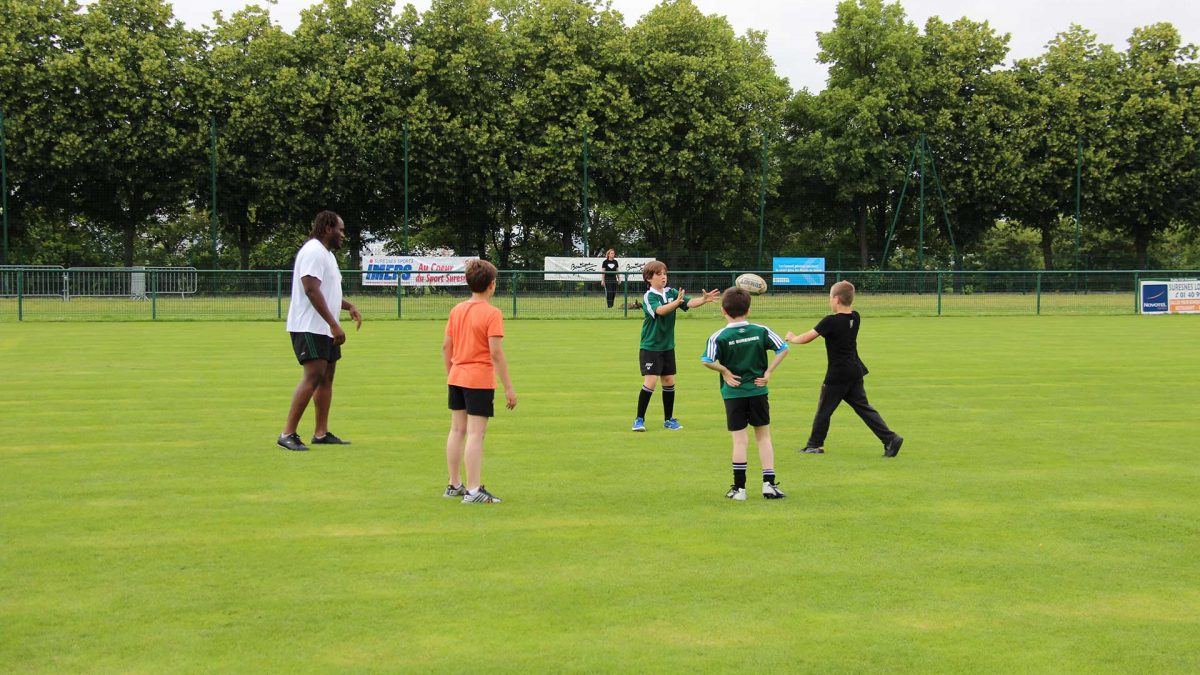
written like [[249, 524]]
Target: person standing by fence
[[610, 281], [317, 335]]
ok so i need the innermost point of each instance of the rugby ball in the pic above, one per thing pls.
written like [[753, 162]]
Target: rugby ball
[[751, 283]]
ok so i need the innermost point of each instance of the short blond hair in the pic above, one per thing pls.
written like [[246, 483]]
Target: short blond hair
[[844, 292]]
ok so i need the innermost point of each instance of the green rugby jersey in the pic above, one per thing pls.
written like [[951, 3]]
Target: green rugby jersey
[[742, 348], [658, 332]]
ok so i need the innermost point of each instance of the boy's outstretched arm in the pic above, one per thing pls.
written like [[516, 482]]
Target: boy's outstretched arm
[[705, 298], [501, 365], [726, 374], [779, 357], [801, 339]]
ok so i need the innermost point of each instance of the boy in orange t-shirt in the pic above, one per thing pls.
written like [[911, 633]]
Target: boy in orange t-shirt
[[473, 359]]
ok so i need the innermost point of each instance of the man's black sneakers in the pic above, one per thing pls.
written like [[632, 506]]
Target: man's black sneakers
[[329, 439], [813, 450], [290, 442], [893, 446]]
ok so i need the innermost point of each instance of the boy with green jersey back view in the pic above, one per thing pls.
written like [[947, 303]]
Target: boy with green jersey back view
[[656, 357], [739, 353]]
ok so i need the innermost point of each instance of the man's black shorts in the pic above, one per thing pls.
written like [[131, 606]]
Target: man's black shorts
[[754, 410], [478, 402], [309, 346], [657, 363]]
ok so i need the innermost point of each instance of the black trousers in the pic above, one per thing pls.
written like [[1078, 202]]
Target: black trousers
[[855, 394], [610, 291]]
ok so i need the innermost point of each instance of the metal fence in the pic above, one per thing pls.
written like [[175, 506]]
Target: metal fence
[[137, 283], [182, 294]]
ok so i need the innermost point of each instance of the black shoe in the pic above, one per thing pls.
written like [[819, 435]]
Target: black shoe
[[814, 451], [893, 446], [329, 439], [290, 442]]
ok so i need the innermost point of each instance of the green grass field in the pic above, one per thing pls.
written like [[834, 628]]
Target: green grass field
[[1043, 516], [384, 306]]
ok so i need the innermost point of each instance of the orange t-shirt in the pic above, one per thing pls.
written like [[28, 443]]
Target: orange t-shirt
[[470, 325]]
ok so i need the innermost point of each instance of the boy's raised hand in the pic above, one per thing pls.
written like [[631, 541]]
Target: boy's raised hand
[[790, 337], [711, 296]]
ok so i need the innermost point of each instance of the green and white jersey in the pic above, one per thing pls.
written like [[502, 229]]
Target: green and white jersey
[[658, 332], [742, 348]]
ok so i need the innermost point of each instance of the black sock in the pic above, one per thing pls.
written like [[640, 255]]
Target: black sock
[[668, 402], [739, 475], [769, 476], [644, 401]]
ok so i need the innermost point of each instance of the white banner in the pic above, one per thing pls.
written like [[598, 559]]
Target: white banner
[[1177, 296], [386, 270], [588, 269]]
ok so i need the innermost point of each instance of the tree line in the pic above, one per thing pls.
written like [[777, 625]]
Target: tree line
[[467, 128]]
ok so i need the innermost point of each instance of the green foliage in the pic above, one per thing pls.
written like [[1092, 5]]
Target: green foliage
[[1008, 246], [109, 107], [705, 98]]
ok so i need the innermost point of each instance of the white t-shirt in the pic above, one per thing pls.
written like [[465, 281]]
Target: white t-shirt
[[314, 260]]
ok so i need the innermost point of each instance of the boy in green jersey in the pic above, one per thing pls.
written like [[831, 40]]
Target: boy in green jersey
[[657, 355], [739, 353]]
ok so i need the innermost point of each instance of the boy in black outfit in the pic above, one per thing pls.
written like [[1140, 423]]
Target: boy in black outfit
[[844, 375]]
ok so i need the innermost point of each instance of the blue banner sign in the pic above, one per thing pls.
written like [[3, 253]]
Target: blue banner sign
[[791, 271]]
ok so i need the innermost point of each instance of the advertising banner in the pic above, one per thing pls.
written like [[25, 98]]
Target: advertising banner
[[408, 270], [790, 271], [1178, 296], [588, 269]]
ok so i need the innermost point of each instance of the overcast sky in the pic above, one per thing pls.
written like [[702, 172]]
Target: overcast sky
[[792, 25]]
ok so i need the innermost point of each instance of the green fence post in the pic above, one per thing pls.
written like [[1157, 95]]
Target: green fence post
[[278, 294], [939, 292], [514, 293], [153, 295], [20, 295], [627, 295], [1039, 293], [4, 191], [399, 295], [1137, 290]]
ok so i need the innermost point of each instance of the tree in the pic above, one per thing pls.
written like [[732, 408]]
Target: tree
[[860, 131], [1066, 97], [1155, 178], [346, 139], [253, 68], [689, 166], [132, 149], [967, 107], [35, 91], [460, 119], [564, 83]]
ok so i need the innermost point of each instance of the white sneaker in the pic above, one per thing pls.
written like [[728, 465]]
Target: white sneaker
[[772, 491], [736, 493]]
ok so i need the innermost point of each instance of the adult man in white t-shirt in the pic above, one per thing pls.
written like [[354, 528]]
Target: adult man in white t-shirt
[[317, 336]]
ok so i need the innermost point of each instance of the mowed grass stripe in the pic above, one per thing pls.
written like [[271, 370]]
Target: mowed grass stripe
[[1041, 517]]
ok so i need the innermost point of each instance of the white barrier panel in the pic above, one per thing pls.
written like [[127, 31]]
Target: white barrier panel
[[1177, 296], [387, 270], [588, 269]]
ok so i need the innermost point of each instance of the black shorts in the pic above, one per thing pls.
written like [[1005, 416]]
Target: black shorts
[[657, 363], [478, 402], [309, 346], [754, 410]]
